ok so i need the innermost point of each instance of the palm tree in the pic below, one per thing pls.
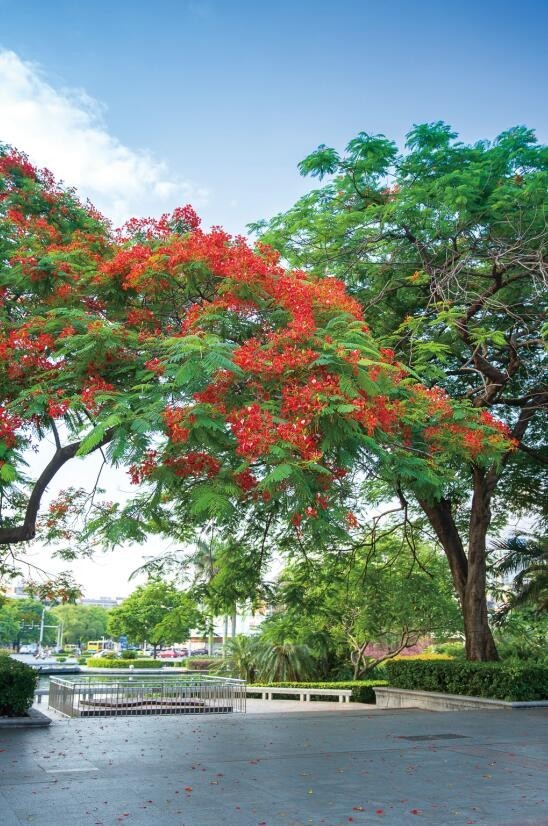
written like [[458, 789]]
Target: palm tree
[[525, 556], [283, 662], [241, 658]]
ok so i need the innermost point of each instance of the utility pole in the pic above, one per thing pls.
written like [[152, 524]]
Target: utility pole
[[41, 631]]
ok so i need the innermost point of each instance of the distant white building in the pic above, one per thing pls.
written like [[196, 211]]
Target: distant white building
[[101, 602], [16, 590]]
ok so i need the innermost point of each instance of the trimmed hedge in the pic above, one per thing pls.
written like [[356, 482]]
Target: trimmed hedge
[[17, 687], [198, 663], [497, 680], [362, 690], [100, 662]]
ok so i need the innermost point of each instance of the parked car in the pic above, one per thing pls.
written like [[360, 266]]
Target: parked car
[[173, 653], [28, 649], [199, 652]]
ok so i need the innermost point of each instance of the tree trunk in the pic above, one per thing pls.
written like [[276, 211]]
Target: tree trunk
[[469, 573], [480, 644], [234, 620]]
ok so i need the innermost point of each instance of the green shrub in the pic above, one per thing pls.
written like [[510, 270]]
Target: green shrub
[[17, 687], [362, 690], [129, 655], [453, 649], [495, 680], [61, 659], [82, 660], [103, 662]]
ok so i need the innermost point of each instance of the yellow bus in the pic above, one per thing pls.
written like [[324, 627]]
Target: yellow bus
[[99, 645]]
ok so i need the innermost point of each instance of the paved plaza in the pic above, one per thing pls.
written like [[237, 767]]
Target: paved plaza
[[332, 767]]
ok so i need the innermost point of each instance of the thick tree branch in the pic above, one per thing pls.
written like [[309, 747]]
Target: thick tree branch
[[26, 531], [441, 518]]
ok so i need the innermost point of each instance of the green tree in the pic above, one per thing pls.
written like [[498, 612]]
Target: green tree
[[20, 622], [241, 395], [371, 606], [9, 623], [81, 623], [444, 247], [158, 613], [281, 658]]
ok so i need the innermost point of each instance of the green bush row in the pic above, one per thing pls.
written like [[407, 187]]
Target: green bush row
[[103, 662], [17, 687], [495, 680], [362, 690], [198, 664]]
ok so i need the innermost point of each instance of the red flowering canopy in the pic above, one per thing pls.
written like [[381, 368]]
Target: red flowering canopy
[[215, 374]]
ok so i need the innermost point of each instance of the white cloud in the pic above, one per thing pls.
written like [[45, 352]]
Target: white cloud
[[64, 130]]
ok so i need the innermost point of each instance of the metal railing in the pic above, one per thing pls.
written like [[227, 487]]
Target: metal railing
[[138, 695]]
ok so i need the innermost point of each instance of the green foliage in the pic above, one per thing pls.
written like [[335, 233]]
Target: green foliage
[[495, 680], [104, 662], [157, 612], [452, 649], [362, 690], [268, 657], [239, 659], [17, 687], [526, 557], [444, 246], [523, 635], [285, 661], [129, 655], [20, 622], [362, 609], [81, 622]]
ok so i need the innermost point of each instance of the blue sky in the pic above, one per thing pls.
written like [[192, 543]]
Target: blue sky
[[227, 97]]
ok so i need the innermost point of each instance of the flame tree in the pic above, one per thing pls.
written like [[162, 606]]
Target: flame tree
[[236, 392]]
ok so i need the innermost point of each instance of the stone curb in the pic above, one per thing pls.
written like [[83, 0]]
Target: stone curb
[[436, 701], [33, 719]]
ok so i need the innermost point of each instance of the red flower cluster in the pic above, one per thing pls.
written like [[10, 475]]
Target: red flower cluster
[[182, 219], [93, 387], [139, 473], [254, 358], [155, 366], [254, 430], [196, 463], [14, 162], [448, 436], [8, 427], [58, 407], [245, 480], [177, 420]]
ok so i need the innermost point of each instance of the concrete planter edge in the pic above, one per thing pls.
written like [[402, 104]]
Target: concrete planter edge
[[435, 701], [32, 719]]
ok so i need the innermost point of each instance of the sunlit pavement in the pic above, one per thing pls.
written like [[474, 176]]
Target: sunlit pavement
[[343, 766]]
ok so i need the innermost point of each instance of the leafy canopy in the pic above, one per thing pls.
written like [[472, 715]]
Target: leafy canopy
[[156, 612], [444, 246], [228, 384]]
